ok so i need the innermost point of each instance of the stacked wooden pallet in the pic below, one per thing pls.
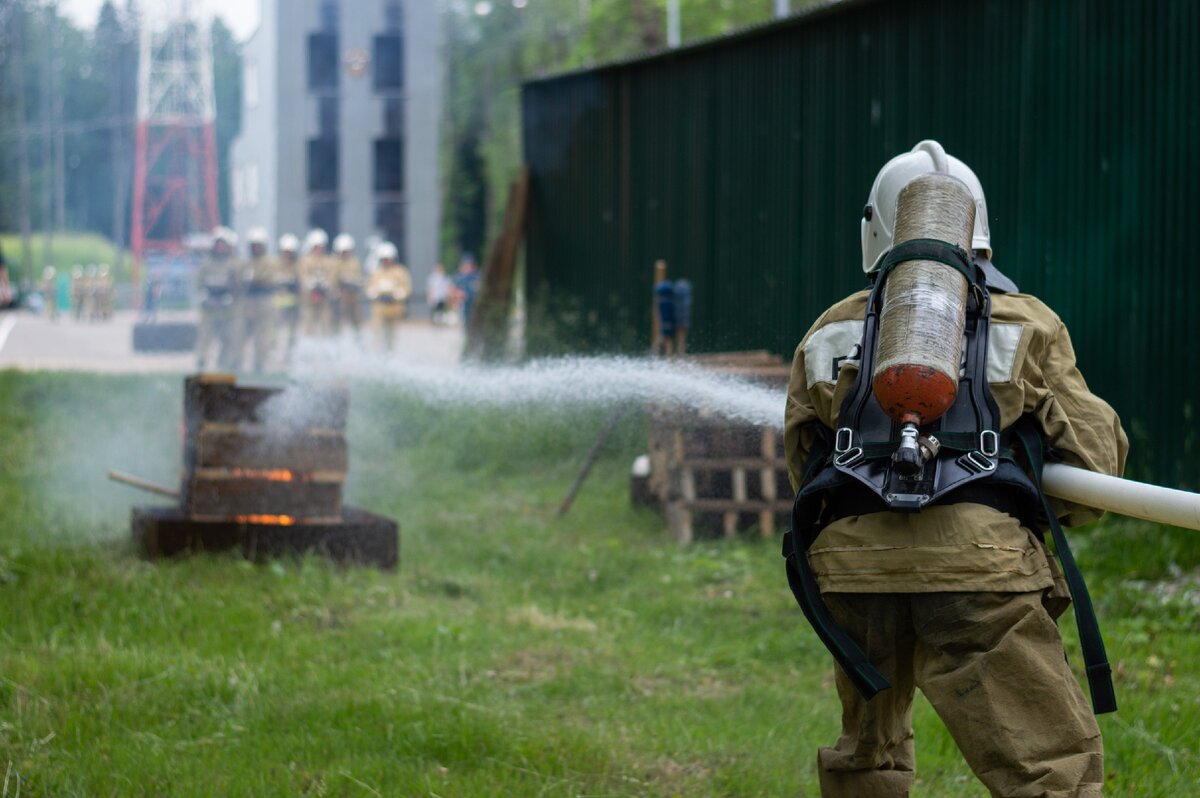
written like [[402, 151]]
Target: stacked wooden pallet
[[714, 476]]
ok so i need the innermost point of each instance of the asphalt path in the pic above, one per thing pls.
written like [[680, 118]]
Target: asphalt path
[[32, 342]]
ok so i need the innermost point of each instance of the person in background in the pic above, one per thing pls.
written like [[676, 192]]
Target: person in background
[[105, 293], [218, 278], [63, 289], [256, 302], [48, 288], [287, 298], [6, 294], [91, 292], [389, 288], [466, 284], [78, 291], [437, 294], [316, 278], [350, 286]]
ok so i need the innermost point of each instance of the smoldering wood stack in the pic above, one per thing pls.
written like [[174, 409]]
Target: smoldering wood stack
[[251, 451], [263, 472]]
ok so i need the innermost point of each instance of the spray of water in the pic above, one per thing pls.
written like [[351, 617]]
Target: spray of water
[[559, 382]]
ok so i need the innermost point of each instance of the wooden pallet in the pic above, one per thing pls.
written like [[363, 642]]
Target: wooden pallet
[[716, 476]]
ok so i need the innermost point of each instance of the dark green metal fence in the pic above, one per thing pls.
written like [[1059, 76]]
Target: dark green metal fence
[[745, 163]]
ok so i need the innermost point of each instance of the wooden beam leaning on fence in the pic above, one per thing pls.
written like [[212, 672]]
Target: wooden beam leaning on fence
[[487, 329]]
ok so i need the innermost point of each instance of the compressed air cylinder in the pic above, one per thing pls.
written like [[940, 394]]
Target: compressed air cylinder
[[924, 305]]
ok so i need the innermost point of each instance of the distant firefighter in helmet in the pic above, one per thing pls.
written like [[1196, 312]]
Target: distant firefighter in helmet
[[256, 305], [218, 288], [918, 416], [288, 293], [318, 278], [388, 289], [348, 311]]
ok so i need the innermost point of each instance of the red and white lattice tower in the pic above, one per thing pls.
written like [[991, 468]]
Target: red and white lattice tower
[[175, 161]]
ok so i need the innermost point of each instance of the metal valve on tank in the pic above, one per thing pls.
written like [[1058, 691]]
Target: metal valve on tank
[[924, 311]]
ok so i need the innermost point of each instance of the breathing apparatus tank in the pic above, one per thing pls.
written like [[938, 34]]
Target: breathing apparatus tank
[[921, 323]]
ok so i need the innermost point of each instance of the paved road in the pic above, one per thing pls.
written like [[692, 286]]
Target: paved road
[[31, 342]]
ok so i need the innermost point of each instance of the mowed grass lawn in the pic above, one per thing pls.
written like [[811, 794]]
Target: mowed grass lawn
[[512, 654]]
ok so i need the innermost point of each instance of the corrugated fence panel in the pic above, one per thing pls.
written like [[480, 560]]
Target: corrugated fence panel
[[745, 163]]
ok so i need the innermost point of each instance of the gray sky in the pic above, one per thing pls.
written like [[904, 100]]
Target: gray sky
[[240, 15]]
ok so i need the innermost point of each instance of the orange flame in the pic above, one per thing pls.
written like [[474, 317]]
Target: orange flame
[[267, 520], [269, 474]]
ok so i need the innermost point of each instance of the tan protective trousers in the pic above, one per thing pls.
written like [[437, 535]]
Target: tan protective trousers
[[992, 665]]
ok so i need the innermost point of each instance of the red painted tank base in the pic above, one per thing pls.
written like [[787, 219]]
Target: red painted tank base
[[917, 394]]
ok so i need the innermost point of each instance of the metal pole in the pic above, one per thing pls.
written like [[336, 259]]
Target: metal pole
[[672, 23]]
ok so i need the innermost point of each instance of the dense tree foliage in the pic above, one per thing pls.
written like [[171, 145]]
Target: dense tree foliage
[[489, 54], [92, 84]]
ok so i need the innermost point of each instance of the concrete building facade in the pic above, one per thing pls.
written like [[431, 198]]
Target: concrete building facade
[[342, 102]]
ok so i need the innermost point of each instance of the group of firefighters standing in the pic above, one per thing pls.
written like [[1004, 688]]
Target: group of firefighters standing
[[88, 293], [254, 302]]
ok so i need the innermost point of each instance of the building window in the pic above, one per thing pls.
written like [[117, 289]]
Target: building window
[[393, 16], [322, 61], [329, 16], [389, 165], [323, 165], [393, 117], [324, 214], [389, 62], [328, 121], [389, 220], [250, 85]]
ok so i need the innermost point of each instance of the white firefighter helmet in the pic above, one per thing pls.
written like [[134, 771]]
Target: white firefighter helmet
[[258, 235], [879, 216], [343, 243], [315, 238], [387, 251], [289, 243], [225, 236]]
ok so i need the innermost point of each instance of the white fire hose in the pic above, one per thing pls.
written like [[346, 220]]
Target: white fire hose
[[1122, 496]]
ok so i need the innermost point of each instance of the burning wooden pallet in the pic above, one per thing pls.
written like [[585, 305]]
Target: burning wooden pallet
[[716, 474], [263, 469]]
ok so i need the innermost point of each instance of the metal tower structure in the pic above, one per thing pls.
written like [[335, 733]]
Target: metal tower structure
[[175, 159]]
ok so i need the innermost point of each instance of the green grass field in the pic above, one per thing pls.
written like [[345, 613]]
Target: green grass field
[[512, 654]]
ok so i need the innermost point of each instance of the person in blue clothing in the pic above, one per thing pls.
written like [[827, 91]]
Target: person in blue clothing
[[466, 284]]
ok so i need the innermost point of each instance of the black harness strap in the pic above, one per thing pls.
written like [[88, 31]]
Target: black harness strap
[[932, 249], [1095, 658]]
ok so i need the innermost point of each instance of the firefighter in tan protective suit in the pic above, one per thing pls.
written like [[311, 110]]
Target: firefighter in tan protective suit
[[288, 295], [348, 311], [960, 598], [318, 280], [218, 287], [388, 289], [256, 302]]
